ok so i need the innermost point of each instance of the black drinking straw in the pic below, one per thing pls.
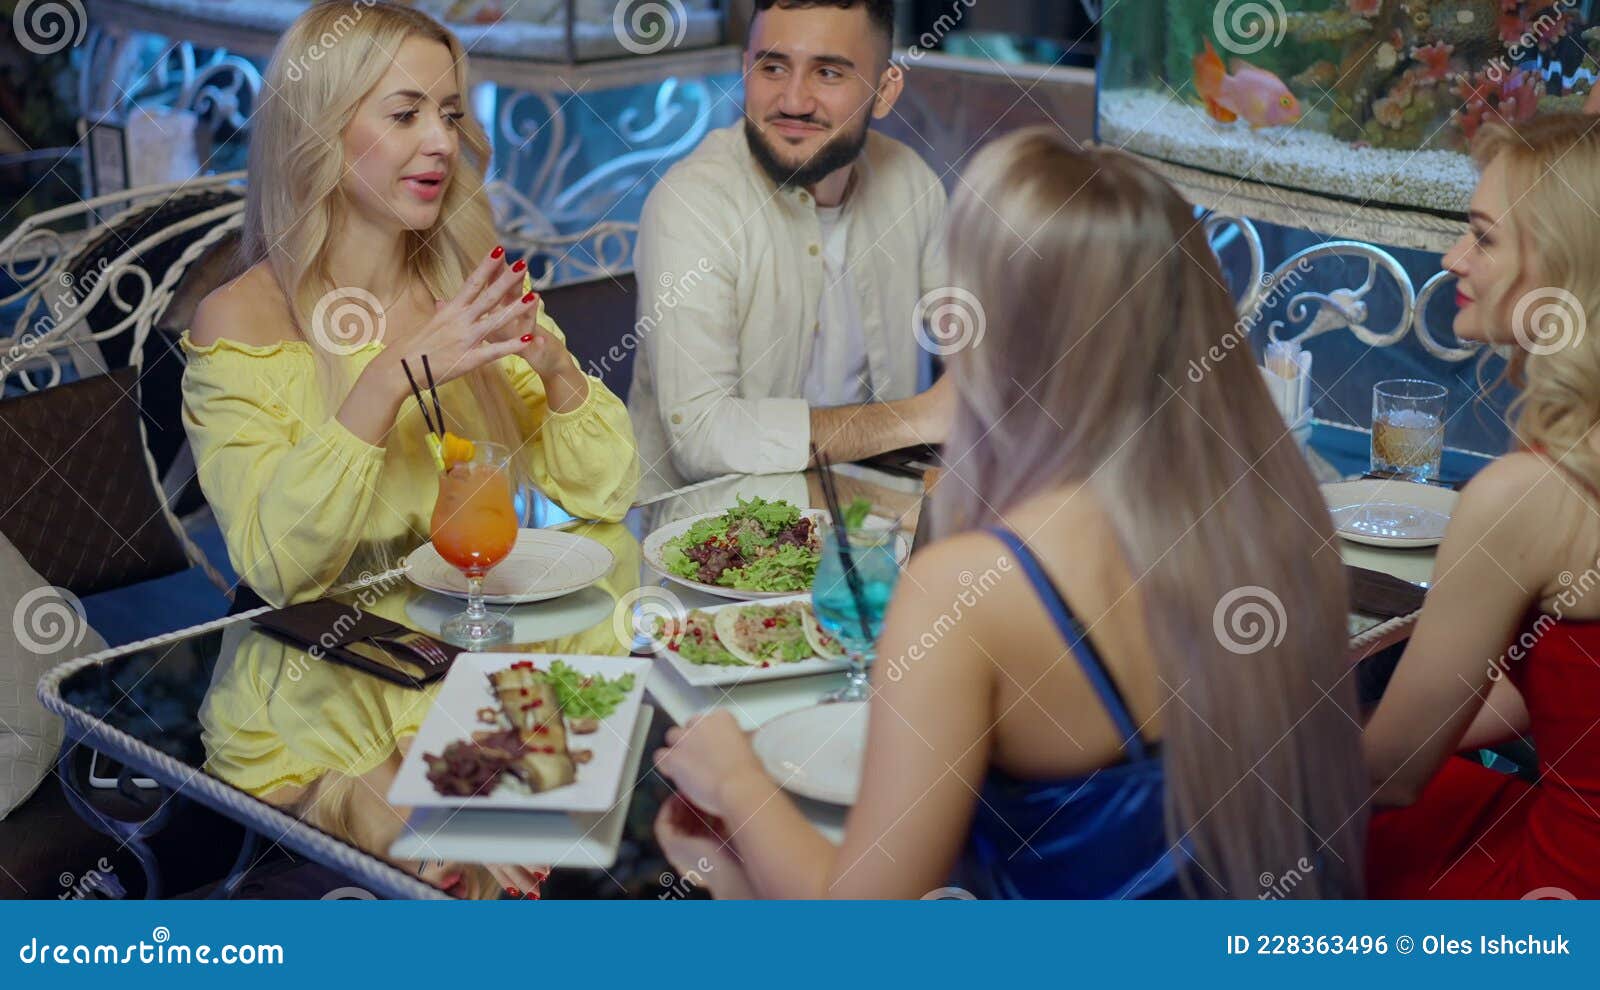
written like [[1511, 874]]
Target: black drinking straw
[[417, 392], [831, 495], [438, 413]]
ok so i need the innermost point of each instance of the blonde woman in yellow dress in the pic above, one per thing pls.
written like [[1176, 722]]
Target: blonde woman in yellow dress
[[368, 239]]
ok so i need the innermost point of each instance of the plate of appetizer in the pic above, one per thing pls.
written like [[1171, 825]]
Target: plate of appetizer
[[754, 551], [543, 564], [747, 641], [532, 732]]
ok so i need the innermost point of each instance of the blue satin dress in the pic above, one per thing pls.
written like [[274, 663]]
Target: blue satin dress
[[1102, 835]]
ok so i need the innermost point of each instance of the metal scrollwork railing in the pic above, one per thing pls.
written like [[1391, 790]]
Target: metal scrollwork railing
[[1315, 313], [1425, 332]]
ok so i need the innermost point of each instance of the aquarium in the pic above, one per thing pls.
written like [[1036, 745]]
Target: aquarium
[[1372, 101]]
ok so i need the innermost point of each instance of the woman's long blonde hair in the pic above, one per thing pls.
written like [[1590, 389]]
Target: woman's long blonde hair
[[325, 64], [1553, 174], [1105, 306]]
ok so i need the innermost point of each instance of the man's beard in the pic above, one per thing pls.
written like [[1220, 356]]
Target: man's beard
[[830, 158]]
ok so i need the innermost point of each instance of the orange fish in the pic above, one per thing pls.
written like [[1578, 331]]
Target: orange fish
[[1257, 95]]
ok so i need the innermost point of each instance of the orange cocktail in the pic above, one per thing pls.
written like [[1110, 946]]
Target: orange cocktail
[[474, 523], [474, 528]]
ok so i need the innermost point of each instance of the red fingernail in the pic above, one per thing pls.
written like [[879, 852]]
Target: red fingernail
[[527, 338], [530, 297], [533, 896], [519, 266], [497, 252], [514, 892]]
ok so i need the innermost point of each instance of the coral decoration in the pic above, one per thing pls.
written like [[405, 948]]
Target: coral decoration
[[1512, 100], [1401, 64], [1435, 59]]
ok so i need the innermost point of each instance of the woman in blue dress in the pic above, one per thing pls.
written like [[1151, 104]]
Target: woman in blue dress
[[1120, 670]]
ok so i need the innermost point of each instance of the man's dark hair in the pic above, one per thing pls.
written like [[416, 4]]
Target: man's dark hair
[[881, 12]]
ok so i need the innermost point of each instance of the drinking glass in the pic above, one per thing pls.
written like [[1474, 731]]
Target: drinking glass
[[474, 528], [1408, 428], [872, 552]]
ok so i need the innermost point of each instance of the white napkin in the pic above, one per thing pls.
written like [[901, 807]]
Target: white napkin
[[1287, 373]]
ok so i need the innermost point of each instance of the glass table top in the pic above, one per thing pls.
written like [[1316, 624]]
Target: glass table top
[[321, 742]]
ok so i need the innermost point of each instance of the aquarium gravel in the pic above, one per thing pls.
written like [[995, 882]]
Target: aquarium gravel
[[1299, 156]]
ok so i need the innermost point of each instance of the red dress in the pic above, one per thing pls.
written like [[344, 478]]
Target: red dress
[[1477, 833]]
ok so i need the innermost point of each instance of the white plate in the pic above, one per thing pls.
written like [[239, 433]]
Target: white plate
[[544, 563], [469, 835], [656, 542], [708, 674], [817, 752], [1385, 512], [454, 716]]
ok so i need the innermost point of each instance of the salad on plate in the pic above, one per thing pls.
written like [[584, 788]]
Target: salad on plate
[[756, 546]]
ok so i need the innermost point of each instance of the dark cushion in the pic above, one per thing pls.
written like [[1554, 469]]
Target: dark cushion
[[597, 316], [76, 497]]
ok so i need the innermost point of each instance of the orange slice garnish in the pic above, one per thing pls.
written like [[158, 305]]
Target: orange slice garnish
[[457, 450]]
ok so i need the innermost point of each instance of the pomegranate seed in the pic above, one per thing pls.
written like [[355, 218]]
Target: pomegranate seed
[[769, 623]]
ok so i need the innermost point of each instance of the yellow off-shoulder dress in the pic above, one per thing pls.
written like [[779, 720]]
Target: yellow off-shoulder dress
[[304, 504]]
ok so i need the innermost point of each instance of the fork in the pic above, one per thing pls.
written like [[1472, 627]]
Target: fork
[[418, 644]]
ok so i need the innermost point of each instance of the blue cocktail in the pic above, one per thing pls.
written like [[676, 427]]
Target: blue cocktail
[[876, 569]]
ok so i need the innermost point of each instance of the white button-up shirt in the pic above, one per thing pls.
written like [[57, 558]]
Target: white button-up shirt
[[731, 278]]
